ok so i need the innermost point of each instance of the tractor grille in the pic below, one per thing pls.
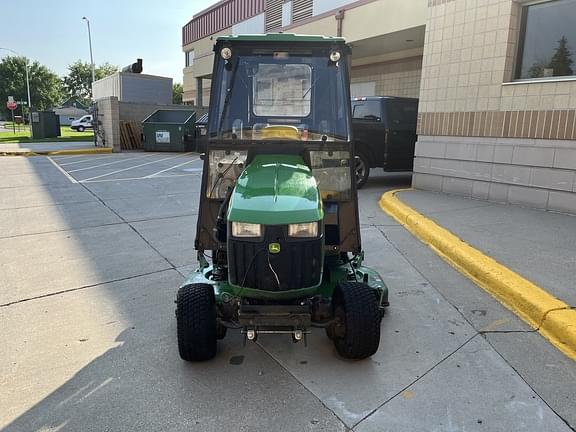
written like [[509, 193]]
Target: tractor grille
[[297, 265]]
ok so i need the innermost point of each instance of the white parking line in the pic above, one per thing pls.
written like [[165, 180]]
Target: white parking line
[[171, 168], [132, 167], [84, 160], [57, 158], [110, 163], [63, 171], [139, 178]]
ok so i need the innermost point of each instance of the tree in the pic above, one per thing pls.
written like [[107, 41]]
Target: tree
[[537, 69], [78, 82], [562, 61], [177, 91], [45, 86]]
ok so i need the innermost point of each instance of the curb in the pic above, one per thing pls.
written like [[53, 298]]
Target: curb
[[99, 150], [551, 317]]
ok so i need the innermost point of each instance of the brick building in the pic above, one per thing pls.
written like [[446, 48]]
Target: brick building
[[496, 81]]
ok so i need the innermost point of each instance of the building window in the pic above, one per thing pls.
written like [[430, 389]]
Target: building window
[[286, 13], [189, 58], [547, 40]]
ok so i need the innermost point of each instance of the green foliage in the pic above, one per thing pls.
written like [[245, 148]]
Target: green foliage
[[537, 69], [177, 91], [78, 82], [562, 61], [45, 86], [22, 135]]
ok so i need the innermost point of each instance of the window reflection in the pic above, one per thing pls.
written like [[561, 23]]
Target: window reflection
[[548, 40]]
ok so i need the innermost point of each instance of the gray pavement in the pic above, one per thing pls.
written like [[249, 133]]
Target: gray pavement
[[539, 245], [92, 250], [45, 146]]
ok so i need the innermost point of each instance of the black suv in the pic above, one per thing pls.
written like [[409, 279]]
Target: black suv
[[384, 134]]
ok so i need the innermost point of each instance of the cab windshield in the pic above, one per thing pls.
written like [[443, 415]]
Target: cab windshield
[[273, 95]]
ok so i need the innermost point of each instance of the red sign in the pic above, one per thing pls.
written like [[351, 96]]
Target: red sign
[[11, 105]]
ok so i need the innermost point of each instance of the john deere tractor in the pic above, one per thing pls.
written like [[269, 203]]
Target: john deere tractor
[[278, 236]]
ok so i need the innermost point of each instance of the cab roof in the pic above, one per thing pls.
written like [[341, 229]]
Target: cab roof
[[280, 37]]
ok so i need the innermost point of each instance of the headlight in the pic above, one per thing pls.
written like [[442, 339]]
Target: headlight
[[309, 229], [243, 229], [226, 53], [335, 56]]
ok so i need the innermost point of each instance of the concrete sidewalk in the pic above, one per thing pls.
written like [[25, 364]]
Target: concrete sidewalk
[[51, 148], [525, 258]]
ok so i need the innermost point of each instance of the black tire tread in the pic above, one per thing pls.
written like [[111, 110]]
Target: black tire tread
[[363, 319], [196, 322]]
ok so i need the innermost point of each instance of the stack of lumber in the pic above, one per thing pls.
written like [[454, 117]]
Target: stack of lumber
[[130, 133]]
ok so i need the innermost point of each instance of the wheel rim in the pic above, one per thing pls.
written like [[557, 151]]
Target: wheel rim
[[360, 169]]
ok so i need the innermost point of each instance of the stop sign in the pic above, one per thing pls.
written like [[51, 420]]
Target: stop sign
[[11, 105]]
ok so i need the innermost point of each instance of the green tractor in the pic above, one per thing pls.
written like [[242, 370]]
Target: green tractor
[[278, 205]]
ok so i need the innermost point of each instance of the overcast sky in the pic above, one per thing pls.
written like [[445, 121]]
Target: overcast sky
[[53, 32]]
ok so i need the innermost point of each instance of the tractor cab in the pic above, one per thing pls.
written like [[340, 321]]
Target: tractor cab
[[278, 215]]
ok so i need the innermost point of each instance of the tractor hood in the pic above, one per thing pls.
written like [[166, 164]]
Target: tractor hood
[[276, 190]]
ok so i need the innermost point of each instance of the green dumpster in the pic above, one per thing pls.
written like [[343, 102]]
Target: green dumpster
[[45, 124], [169, 130]]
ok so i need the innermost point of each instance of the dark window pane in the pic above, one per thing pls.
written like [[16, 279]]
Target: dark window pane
[[549, 40], [366, 110], [402, 115]]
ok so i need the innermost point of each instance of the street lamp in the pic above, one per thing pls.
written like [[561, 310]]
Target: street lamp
[[27, 85], [90, 43]]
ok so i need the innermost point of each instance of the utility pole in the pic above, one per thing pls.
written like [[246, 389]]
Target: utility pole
[[91, 57]]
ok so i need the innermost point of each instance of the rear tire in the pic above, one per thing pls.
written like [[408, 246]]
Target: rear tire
[[80, 129], [357, 333], [196, 322], [362, 170]]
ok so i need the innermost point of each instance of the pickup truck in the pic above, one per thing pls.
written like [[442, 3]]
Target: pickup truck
[[384, 129]]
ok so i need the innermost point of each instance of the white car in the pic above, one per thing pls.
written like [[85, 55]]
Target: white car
[[85, 122]]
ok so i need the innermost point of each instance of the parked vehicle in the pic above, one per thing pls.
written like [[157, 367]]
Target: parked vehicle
[[83, 123], [384, 134], [278, 207]]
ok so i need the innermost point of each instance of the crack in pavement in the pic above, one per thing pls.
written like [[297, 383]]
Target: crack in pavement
[[482, 333], [84, 287], [172, 265], [275, 360], [122, 222], [416, 380], [528, 384]]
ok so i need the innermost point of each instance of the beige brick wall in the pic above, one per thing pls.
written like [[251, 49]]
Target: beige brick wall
[[469, 57], [394, 78], [482, 134], [190, 95]]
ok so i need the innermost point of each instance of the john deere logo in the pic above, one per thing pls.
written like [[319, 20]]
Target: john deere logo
[[274, 248]]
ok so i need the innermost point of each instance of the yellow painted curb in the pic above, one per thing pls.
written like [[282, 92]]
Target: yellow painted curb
[[554, 319], [70, 152]]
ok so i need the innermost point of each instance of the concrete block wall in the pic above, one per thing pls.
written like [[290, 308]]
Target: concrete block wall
[[111, 112], [137, 112], [108, 116], [530, 172]]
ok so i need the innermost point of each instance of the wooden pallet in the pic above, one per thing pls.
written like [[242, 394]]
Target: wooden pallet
[[130, 135]]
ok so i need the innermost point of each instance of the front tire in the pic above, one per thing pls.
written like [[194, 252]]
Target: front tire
[[196, 322], [356, 334], [80, 129], [362, 170]]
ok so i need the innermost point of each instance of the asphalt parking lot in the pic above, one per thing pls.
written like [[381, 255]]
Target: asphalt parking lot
[[92, 251]]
